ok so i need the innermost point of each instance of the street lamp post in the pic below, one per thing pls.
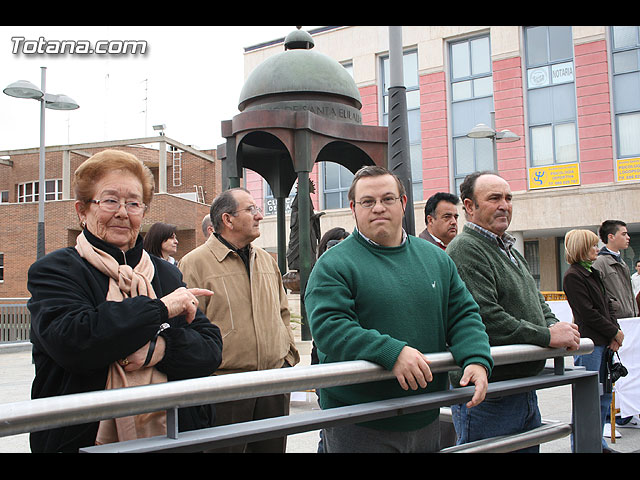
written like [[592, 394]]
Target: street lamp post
[[25, 89], [484, 131]]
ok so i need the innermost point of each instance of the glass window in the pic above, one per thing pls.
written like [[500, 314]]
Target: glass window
[[560, 44], [29, 192], [629, 140], [4, 196], [271, 203], [337, 180], [625, 36], [625, 61], [532, 256], [565, 142], [480, 56], [460, 60], [541, 145], [471, 104], [411, 83], [537, 45], [552, 108], [1, 267], [625, 53]]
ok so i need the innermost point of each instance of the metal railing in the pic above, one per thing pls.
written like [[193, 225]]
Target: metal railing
[[52, 412], [15, 320]]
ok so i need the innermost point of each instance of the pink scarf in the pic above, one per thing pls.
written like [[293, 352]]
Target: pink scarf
[[126, 282]]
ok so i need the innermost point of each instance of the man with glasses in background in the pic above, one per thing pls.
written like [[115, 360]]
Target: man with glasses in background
[[249, 306], [392, 299]]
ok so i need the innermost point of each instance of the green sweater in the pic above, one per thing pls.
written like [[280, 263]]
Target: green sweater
[[512, 308], [367, 302]]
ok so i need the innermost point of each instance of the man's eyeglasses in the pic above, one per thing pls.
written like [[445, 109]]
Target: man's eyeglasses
[[112, 205], [386, 201], [253, 210]]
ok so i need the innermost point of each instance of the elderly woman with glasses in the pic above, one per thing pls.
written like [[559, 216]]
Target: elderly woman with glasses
[[105, 314]]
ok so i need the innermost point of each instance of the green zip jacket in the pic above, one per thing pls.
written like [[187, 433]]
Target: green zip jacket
[[367, 302], [511, 306]]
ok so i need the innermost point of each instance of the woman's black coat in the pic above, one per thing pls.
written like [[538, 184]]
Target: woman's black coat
[[76, 334], [588, 301]]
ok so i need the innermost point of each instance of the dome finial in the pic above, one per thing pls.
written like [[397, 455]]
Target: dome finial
[[298, 40]]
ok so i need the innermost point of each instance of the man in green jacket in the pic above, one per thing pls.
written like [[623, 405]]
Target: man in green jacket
[[390, 298], [512, 308]]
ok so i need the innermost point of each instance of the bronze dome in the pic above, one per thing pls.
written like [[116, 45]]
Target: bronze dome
[[298, 76]]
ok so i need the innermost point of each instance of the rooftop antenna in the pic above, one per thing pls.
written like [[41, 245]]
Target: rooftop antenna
[[146, 98]]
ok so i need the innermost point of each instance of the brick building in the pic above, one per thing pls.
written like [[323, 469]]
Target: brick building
[[571, 93], [186, 182]]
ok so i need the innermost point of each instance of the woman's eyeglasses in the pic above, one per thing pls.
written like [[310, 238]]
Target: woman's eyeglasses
[[112, 205]]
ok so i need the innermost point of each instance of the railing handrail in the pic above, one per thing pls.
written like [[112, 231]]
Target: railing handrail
[[53, 412]]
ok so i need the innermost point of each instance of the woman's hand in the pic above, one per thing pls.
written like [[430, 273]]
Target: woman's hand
[[183, 301], [136, 360], [616, 343]]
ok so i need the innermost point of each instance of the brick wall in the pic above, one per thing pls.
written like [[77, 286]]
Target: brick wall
[[435, 138], [509, 107], [18, 221], [594, 113], [369, 110]]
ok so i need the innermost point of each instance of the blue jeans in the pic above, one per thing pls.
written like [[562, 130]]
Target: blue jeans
[[497, 416], [596, 362]]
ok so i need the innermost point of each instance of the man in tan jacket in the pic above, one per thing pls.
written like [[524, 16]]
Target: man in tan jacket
[[249, 306]]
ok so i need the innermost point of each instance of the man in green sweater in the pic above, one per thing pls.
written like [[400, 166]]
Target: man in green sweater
[[389, 298], [512, 308]]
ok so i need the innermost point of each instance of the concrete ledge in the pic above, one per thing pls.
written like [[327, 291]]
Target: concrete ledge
[[11, 347]]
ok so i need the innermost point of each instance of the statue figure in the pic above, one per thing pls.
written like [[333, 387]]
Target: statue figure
[[292, 277]]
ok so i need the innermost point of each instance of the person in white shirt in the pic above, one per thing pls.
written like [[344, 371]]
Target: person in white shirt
[[635, 279]]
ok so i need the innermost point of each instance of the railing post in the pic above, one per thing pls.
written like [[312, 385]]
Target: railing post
[[587, 429], [172, 423], [558, 366]]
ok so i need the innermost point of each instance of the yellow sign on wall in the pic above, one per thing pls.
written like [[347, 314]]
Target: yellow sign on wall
[[554, 176], [628, 169]]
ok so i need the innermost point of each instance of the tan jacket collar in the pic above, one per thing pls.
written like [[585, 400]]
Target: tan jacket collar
[[220, 250]]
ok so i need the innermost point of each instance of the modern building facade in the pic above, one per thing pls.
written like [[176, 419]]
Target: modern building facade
[[187, 181], [570, 93]]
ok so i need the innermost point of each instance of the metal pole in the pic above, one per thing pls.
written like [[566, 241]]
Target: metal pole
[[304, 249], [494, 140], [40, 249], [282, 234], [399, 153], [587, 429]]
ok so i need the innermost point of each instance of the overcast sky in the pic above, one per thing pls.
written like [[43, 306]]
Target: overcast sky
[[189, 79]]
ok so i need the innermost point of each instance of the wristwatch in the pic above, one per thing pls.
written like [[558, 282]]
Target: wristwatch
[[152, 345]]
